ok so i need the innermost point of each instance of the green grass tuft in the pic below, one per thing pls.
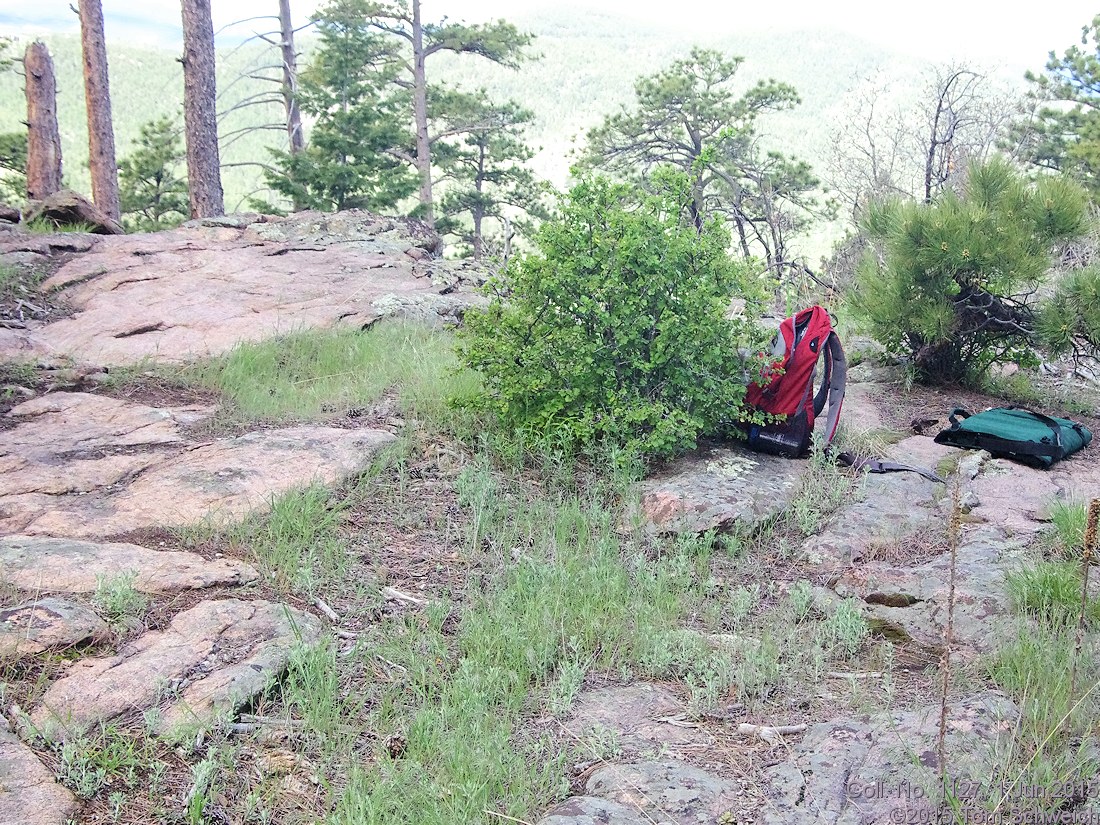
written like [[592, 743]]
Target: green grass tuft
[[296, 544], [1047, 748], [1051, 591], [47, 226], [325, 374], [117, 600], [1069, 519]]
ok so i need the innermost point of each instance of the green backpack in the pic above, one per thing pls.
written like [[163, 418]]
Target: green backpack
[[1018, 434]]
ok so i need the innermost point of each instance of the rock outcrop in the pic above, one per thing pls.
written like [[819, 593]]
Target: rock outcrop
[[47, 623], [726, 486], [28, 793], [201, 289], [86, 466], [212, 658], [59, 565]]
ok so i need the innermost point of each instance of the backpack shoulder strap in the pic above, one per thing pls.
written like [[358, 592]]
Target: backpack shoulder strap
[[832, 385], [875, 465]]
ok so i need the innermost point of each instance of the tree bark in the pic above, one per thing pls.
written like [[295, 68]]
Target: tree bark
[[290, 80], [290, 86], [420, 113], [97, 98], [199, 114], [43, 135], [478, 212]]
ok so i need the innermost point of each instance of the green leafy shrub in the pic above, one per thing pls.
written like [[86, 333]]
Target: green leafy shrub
[[952, 284], [613, 332]]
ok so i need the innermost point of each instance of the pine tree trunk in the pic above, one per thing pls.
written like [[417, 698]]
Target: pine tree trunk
[[199, 113], [97, 97], [290, 80], [478, 212], [43, 135], [290, 86], [420, 112]]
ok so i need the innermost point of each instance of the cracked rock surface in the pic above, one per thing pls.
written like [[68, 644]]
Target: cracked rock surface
[[85, 466], [47, 623], [28, 793], [213, 657], [53, 565], [725, 486], [835, 773]]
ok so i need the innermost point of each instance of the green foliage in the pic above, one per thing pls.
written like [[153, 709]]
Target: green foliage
[[362, 87], [152, 193], [484, 166], [13, 167], [13, 148], [297, 544], [1061, 137], [528, 629], [688, 116], [357, 155], [823, 489], [103, 757], [845, 630], [613, 332], [1069, 519], [1050, 742], [1070, 320], [415, 45], [951, 284]]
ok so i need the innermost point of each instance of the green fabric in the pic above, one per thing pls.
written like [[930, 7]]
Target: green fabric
[[1021, 435]]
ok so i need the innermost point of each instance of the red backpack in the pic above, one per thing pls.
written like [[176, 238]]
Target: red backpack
[[800, 344], [802, 341]]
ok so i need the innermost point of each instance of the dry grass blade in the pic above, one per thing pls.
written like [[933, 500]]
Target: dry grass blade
[[1086, 561], [953, 529]]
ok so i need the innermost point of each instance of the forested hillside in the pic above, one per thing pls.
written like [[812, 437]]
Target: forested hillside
[[584, 68]]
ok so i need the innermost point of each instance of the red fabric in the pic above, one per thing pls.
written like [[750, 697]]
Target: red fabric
[[788, 392]]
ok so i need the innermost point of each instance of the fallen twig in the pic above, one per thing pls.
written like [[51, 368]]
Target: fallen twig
[[273, 721], [679, 721], [769, 733], [393, 594], [20, 303], [388, 663], [251, 724], [340, 633], [506, 818], [319, 603], [840, 674]]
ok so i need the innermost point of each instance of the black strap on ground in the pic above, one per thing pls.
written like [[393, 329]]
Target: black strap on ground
[[875, 465]]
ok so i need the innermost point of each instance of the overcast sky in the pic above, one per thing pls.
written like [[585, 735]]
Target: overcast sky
[[936, 29]]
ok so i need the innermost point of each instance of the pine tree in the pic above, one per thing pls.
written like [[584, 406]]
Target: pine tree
[[13, 148], [413, 42], [357, 151], [952, 285], [1061, 137], [204, 179], [487, 181], [152, 193], [689, 116]]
